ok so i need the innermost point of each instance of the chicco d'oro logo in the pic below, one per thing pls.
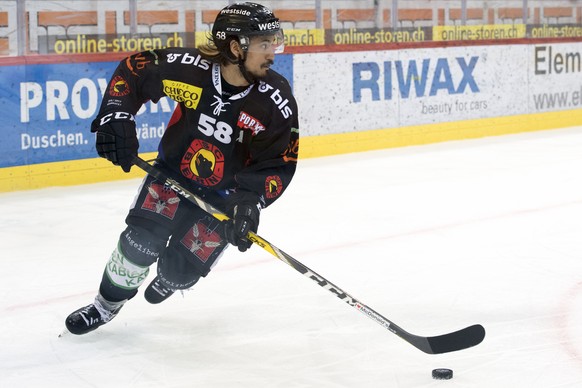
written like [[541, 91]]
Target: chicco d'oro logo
[[203, 163], [187, 94], [118, 87]]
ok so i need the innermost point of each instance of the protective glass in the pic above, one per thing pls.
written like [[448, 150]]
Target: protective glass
[[265, 44]]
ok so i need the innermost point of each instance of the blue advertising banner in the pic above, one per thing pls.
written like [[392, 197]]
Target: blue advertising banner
[[48, 109]]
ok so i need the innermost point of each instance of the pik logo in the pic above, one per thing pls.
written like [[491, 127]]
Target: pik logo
[[118, 87], [203, 163]]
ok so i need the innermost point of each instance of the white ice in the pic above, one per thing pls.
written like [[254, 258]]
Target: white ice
[[435, 238]]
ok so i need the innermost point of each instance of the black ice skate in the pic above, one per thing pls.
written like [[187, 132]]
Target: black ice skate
[[90, 317], [156, 292]]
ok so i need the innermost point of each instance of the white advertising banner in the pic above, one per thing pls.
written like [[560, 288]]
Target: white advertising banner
[[359, 91], [555, 77]]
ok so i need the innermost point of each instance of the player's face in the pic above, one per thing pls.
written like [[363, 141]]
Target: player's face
[[261, 54]]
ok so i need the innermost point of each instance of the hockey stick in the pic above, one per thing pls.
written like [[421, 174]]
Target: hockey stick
[[450, 342]]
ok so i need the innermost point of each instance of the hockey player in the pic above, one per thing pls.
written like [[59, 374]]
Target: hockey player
[[232, 139]]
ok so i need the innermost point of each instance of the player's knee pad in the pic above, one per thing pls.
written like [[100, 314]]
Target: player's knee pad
[[129, 263], [192, 252], [140, 246], [176, 273]]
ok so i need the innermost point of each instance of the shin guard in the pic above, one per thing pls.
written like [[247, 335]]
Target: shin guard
[[123, 273], [129, 263]]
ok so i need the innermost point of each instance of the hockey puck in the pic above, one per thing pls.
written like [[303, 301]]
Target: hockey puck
[[442, 374]]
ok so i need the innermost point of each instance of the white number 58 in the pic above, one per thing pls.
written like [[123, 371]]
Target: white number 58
[[219, 129]]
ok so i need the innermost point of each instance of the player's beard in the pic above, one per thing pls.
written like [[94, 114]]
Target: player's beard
[[264, 70]]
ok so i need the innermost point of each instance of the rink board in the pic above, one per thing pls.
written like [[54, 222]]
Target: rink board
[[365, 100]]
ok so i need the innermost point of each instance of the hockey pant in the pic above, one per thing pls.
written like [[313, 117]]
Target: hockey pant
[[162, 227]]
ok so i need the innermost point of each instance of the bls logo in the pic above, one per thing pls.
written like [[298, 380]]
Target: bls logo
[[187, 59], [278, 99]]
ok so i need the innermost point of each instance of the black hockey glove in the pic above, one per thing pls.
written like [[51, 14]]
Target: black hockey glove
[[117, 142], [245, 218]]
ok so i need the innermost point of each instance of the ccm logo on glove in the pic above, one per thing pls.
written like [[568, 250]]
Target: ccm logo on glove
[[116, 116], [116, 139]]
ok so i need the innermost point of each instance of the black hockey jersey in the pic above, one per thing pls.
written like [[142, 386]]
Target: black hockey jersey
[[245, 140]]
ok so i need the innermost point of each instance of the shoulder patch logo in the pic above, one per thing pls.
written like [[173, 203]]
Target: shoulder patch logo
[[118, 87], [273, 186]]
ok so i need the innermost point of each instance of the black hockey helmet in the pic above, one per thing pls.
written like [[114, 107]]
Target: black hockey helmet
[[244, 20]]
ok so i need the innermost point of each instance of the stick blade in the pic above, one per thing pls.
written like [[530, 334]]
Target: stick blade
[[458, 340]]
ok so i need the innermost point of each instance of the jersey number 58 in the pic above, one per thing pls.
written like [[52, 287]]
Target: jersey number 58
[[219, 129]]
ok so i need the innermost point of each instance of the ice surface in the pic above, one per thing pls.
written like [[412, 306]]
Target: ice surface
[[435, 238]]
